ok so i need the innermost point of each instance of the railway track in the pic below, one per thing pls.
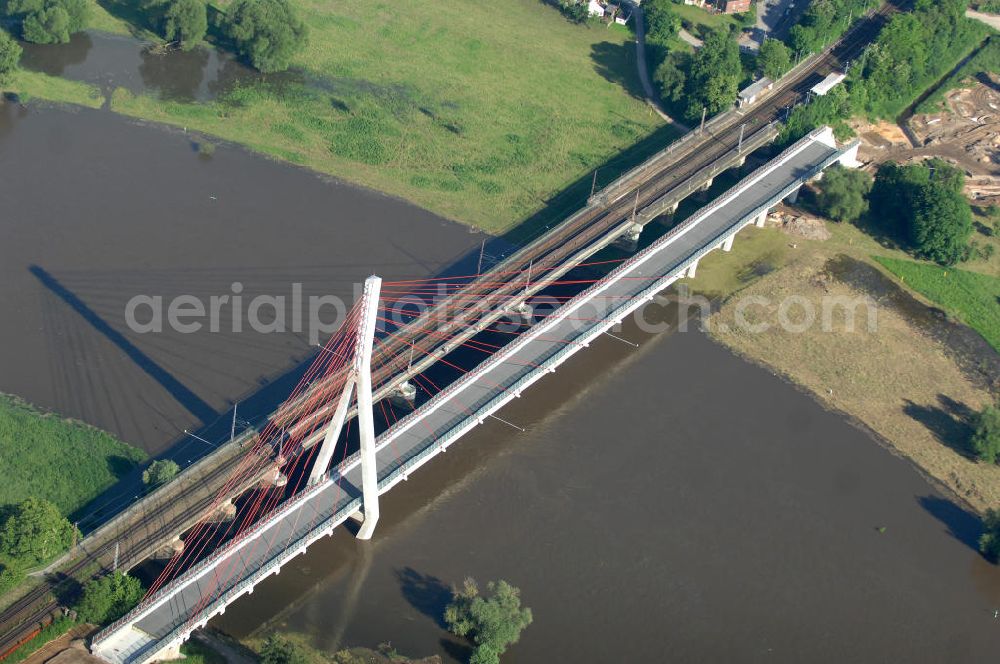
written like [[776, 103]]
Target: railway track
[[24, 616]]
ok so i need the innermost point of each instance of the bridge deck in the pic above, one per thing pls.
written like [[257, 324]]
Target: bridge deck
[[234, 570]]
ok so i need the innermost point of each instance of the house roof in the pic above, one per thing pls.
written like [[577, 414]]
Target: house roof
[[756, 88], [828, 83]]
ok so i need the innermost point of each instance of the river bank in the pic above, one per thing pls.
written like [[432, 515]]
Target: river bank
[[914, 379], [477, 111]]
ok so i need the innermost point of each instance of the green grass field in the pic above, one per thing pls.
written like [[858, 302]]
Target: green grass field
[[61, 460], [969, 296], [479, 111]]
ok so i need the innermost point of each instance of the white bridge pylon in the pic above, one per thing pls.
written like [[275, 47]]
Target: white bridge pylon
[[360, 380]]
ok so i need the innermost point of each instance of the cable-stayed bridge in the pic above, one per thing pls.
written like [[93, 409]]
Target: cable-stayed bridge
[[310, 438]]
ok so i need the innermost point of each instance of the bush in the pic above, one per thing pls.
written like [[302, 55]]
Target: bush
[[10, 55], [35, 533], [186, 21], [49, 21], [986, 436], [265, 32], [279, 650], [492, 623], [160, 472], [842, 193], [989, 541], [107, 599]]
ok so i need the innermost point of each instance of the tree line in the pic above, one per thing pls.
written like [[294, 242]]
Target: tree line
[[920, 206], [912, 51], [265, 33]]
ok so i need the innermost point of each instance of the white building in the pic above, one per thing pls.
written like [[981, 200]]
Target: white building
[[828, 83]]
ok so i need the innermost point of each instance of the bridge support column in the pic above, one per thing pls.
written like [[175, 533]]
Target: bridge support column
[[727, 244], [629, 240], [667, 218], [760, 220], [794, 196], [366, 419], [170, 549], [692, 269], [225, 512], [405, 395]]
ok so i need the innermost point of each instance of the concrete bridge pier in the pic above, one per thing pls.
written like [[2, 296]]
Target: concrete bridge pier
[[794, 196], [727, 244], [690, 271], [224, 512], [274, 477], [702, 194], [405, 395], [629, 240], [170, 549], [667, 218], [760, 220]]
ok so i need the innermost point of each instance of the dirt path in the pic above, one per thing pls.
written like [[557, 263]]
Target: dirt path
[[640, 51]]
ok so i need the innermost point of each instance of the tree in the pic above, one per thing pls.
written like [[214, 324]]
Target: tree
[[986, 435], [715, 73], [279, 650], [492, 623], [107, 599], [10, 54], [49, 21], [266, 32], [842, 193], [36, 532], [942, 224], [160, 472], [989, 541], [186, 21], [661, 21], [923, 205], [670, 75], [773, 59]]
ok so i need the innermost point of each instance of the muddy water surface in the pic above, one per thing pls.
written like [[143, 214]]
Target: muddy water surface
[[97, 210], [670, 504]]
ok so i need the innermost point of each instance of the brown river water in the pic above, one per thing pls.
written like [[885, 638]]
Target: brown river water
[[667, 503]]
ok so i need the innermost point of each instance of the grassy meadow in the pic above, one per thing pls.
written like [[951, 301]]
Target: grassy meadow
[[48, 456], [479, 111], [971, 297]]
